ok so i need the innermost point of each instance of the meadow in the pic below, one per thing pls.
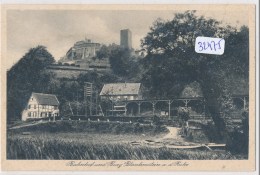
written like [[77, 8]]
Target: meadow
[[94, 141]]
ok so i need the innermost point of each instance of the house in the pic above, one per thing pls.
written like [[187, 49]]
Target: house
[[41, 106], [121, 91]]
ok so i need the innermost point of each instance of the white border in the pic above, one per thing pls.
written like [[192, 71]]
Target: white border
[[256, 2], [129, 1]]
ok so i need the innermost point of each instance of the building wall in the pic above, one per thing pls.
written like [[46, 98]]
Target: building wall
[[34, 110], [122, 97], [83, 50]]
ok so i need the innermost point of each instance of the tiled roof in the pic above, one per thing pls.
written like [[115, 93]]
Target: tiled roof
[[46, 99], [121, 89]]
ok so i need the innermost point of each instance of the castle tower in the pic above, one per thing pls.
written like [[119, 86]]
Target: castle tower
[[126, 38]]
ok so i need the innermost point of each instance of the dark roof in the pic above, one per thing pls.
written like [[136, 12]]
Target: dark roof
[[46, 99], [121, 89]]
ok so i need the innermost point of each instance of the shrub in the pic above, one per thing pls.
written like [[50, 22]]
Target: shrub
[[156, 120], [93, 126], [239, 138]]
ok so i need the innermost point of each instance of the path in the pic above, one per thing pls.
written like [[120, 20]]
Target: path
[[29, 124], [173, 133], [174, 140]]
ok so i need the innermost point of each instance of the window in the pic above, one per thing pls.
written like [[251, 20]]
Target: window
[[34, 106], [43, 107], [29, 114], [29, 106]]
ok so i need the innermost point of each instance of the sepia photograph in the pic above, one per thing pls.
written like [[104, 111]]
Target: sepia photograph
[[115, 84]]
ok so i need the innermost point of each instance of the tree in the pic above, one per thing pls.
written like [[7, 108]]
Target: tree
[[119, 59], [171, 61], [26, 76], [103, 52]]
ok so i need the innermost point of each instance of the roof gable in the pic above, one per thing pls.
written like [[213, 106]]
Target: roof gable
[[46, 99], [121, 89]]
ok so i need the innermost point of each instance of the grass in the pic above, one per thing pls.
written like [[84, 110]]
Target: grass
[[94, 127], [56, 148], [76, 140]]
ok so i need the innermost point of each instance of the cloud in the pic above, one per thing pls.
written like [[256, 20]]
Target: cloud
[[58, 30]]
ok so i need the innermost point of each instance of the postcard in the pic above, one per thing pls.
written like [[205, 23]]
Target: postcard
[[128, 87]]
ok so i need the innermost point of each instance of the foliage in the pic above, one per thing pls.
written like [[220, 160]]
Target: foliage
[[119, 61], [183, 114], [93, 126], [123, 62], [192, 90], [172, 62], [240, 136], [156, 120], [211, 132], [103, 52], [25, 77]]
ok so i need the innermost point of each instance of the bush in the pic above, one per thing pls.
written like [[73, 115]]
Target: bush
[[184, 115], [156, 120], [93, 126], [239, 138], [211, 132]]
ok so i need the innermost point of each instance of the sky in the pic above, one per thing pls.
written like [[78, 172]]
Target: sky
[[59, 30]]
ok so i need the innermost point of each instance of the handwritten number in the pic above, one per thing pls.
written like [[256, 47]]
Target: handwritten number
[[200, 46], [210, 45]]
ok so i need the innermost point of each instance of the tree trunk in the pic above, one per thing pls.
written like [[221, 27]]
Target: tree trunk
[[213, 107]]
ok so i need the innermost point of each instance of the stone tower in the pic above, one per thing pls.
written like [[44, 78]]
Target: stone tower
[[126, 38]]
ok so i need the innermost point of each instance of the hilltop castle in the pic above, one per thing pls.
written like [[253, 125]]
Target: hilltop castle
[[83, 55], [84, 49]]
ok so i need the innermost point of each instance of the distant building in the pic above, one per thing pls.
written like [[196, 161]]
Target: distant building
[[121, 91], [83, 56], [83, 50], [126, 38], [41, 106]]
